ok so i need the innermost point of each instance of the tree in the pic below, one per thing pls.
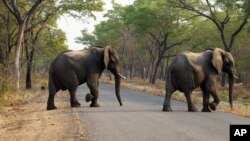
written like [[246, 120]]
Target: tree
[[50, 42], [86, 38], [21, 20], [145, 32], [31, 18], [162, 32], [45, 15], [221, 13]]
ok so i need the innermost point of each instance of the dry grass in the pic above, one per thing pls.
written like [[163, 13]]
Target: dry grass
[[11, 99], [158, 89], [14, 98]]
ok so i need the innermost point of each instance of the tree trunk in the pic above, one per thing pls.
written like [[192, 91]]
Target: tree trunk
[[166, 70], [29, 68], [132, 71], [147, 71], [152, 69], [17, 56], [28, 72], [21, 27], [28, 76], [155, 71], [142, 68], [143, 73], [161, 77]]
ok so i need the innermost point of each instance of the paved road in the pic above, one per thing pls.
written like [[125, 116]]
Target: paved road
[[141, 119]]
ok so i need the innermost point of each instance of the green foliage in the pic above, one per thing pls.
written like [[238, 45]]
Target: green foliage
[[51, 43], [79, 8], [246, 7], [107, 33], [86, 39]]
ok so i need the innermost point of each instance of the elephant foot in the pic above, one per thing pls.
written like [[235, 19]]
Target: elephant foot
[[212, 106], [206, 110], [75, 104], [167, 109], [192, 109], [51, 107], [94, 105], [88, 97]]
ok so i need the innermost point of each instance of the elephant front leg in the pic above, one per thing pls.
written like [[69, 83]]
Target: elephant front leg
[[205, 101], [210, 87], [88, 97], [93, 96], [216, 101]]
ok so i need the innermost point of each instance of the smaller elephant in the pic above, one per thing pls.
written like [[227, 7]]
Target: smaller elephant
[[190, 70], [73, 68]]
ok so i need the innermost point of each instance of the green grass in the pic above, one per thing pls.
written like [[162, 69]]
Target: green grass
[[223, 95], [244, 101]]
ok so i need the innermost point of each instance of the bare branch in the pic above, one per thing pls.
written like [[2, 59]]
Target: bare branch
[[237, 31], [12, 10], [33, 8], [168, 56], [210, 9], [226, 19], [177, 43]]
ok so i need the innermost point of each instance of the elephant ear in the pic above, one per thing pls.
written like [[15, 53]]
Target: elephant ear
[[106, 56], [217, 59]]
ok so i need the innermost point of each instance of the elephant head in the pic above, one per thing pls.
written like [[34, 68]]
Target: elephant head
[[111, 62], [223, 61]]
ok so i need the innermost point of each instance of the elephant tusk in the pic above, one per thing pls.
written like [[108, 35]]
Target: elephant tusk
[[123, 77], [235, 77]]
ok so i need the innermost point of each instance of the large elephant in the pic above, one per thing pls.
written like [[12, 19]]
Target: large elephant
[[190, 70], [73, 68]]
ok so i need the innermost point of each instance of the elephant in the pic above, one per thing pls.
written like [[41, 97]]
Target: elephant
[[73, 68], [190, 70]]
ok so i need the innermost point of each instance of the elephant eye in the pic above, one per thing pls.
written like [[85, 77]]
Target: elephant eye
[[111, 65], [226, 60]]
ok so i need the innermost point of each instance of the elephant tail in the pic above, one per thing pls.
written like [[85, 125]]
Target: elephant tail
[[52, 88], [168, 77]]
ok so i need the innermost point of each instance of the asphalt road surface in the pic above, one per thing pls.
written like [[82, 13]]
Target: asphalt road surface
[[141, 119]]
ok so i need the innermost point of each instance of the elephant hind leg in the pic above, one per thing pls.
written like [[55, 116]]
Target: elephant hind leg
[[50, 102], [52, 92], [190, 104], [73, 101], [169, 92]]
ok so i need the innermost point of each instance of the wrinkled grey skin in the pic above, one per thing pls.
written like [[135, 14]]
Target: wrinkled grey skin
[[190, 70], [73, 68]]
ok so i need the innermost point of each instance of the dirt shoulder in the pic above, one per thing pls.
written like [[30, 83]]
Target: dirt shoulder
[[32, 122]]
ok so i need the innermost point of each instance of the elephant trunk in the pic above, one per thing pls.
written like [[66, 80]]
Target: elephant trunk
[[231, 82], [117, 88]]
